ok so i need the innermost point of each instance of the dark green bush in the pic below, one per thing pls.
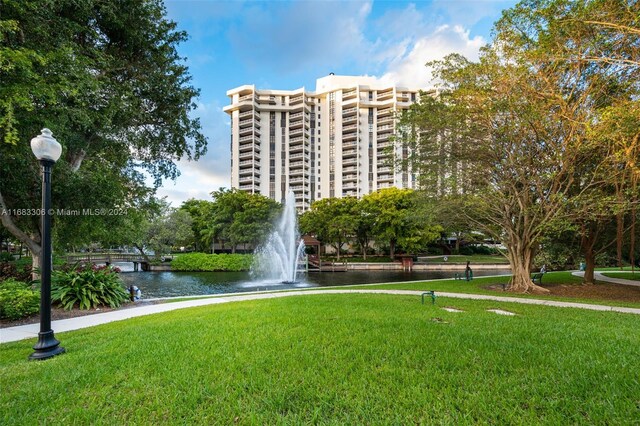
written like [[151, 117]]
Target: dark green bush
[[18, 300], [88, 288], [6, 257], [212, 262]]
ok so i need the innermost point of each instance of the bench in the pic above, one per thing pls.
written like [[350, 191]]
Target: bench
[[432, 294], [461, 276], [538, 277]]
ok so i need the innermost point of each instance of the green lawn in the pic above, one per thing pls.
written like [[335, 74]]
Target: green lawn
[[623, 275], [335, 359], [476, 258], [478, 286]]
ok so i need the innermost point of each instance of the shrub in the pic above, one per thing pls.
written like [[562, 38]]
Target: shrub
[[212, 262], [18, 300], [16, 271], [88, 287], [6, 257]]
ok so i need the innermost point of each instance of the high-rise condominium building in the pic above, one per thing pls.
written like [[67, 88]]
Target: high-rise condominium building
[[334, 142]]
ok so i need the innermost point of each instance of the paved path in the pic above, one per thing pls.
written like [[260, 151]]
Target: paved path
[[12, 334], [599, 277]]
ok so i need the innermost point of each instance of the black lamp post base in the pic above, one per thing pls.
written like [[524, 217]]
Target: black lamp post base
[[46, 347]]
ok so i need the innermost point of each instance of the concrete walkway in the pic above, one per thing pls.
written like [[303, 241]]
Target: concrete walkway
[[599, 277], [30, 331]]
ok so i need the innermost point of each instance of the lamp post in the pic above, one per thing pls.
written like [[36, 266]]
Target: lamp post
[[47, 150]]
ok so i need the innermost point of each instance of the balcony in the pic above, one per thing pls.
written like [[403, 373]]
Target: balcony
[[384, 185], [296, 172], [349, 137], [348, 94], [296, 148], [349, 144], [349, 193], [350, 128], [267, 99], [351, 161], [386, 122], [387, 94], [249, 122], [295, 132], [295, 100], [349, 169], [349, 186], [385, 177], [299, 180], [384, 170], [352, 152], [250, 187], [384, 145], [349, 111], [249, 163], [384, 112], [352, 119], [249, 113], [246, 155], [297, 140], [300, 155], [349, 178], [383, 137], [245, 98]]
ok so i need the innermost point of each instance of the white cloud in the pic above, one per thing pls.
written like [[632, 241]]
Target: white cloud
[[409, 68]]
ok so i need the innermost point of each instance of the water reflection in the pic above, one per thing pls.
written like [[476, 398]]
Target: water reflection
[[172, 284]]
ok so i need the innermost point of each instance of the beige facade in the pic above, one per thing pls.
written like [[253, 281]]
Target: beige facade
[[334, 142]]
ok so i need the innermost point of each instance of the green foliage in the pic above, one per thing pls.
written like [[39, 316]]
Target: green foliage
[[6, 257], [88, 288], [18, 270], [118, 98], [212, 262], [171, 229], [17, 300], [238, 217]]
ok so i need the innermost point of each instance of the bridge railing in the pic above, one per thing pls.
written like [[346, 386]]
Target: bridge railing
[[105, 257]]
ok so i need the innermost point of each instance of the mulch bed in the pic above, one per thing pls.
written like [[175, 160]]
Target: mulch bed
[[600, 291]]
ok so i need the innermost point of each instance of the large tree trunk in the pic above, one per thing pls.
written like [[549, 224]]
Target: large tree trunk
[[520, 257], [590, 266], [588, 241], [392, 249]]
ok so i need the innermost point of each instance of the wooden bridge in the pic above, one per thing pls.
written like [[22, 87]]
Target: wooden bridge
[[108, 258], [316, 265]]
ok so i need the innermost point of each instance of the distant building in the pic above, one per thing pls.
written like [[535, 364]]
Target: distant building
[[334, 142]]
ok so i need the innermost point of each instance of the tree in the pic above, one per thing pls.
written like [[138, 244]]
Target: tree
[[332, 220], [524, 111], [173, 229], [201, 212], [242, 218], [400, 220], [109, 82]]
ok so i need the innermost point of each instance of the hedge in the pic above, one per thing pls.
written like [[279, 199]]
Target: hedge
[[212, 262], [18, 300]]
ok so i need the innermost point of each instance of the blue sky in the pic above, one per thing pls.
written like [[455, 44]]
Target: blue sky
[[289, 44]]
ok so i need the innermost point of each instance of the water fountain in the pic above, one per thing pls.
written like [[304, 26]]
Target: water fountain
[[278, 258]]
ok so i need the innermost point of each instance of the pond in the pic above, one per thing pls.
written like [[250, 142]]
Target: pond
[[173, 284]]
